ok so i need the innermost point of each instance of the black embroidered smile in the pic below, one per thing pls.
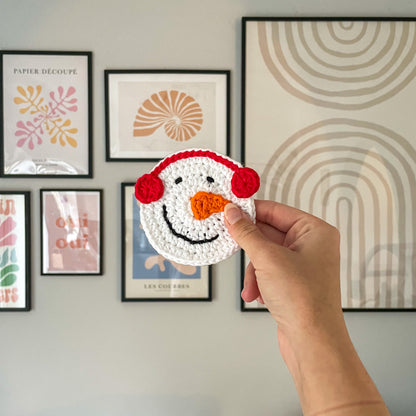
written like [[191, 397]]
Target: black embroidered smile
[[184, 237]]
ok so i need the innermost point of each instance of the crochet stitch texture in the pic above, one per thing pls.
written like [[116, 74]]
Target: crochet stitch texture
[[182, 202]]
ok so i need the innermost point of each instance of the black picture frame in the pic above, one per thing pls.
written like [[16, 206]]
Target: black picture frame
[[254, 306], [50, 122], [10, 291], [158, 287], [81, 237], [367, 102], [141, 81]]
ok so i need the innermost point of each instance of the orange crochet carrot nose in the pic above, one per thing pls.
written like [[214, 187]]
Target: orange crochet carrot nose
[[203, 204]]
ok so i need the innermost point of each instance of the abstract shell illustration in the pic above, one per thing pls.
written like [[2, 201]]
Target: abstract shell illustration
[[182, 204], [45, 118], [179, 114]]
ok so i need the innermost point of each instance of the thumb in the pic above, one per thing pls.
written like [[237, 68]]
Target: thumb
[[242, 230]]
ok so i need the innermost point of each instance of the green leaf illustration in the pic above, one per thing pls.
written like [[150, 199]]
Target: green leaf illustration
[[8, 269], [13, 257], [7, 277], [8, 280]]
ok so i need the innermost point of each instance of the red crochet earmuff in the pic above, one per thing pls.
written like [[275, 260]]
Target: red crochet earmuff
[[244, 183], [149, 188]]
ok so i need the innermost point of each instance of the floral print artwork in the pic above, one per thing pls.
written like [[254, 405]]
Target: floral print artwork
[[45, 118]]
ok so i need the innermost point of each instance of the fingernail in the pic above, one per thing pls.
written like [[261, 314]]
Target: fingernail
[[232, 213]]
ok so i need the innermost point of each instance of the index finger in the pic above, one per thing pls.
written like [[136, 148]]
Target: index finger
[[278, 215]]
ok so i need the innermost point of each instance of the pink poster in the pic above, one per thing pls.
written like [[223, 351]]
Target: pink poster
[[71, 232], [14, 251]]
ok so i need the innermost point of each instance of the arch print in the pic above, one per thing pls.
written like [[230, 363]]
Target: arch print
[[327, 122]]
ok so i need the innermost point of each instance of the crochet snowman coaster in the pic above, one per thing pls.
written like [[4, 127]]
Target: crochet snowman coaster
[[182, 204]]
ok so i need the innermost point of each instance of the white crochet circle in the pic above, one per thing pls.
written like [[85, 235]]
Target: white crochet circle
[[190, 245]]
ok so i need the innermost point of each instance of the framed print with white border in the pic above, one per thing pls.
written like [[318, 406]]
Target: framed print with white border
[[328, 122], [45, 114], [148, 276], [153, 113], [15, 267], [71, 232]]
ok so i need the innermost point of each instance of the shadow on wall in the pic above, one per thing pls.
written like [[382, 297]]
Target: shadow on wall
[[138, 405]]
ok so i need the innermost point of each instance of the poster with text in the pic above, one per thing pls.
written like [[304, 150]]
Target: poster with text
[[71, 232], [45, 118], [14, 251], [146, 274]]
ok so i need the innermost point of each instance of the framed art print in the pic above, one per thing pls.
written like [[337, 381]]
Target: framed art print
[[148, 276], [328, 122], [45, 114], [153, 113], [71, 233], [15, 251]]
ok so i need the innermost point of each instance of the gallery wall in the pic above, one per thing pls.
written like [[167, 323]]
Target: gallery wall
[[80, 350]]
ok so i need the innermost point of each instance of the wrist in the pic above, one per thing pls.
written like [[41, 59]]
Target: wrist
[[325, 367]]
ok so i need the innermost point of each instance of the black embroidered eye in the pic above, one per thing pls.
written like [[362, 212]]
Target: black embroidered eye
[[178, 180], [209, 179]]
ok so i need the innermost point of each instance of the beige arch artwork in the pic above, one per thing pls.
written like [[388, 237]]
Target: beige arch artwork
[[348, 237], [337, 64], [359, 176]]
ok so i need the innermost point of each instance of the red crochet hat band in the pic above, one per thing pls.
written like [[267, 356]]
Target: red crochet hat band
[[194, 153], [149, 188]]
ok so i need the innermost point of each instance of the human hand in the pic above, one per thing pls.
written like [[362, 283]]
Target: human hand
[[294, 263], [294, 269]]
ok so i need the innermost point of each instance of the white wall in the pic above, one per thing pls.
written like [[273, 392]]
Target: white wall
[[82, 352]]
